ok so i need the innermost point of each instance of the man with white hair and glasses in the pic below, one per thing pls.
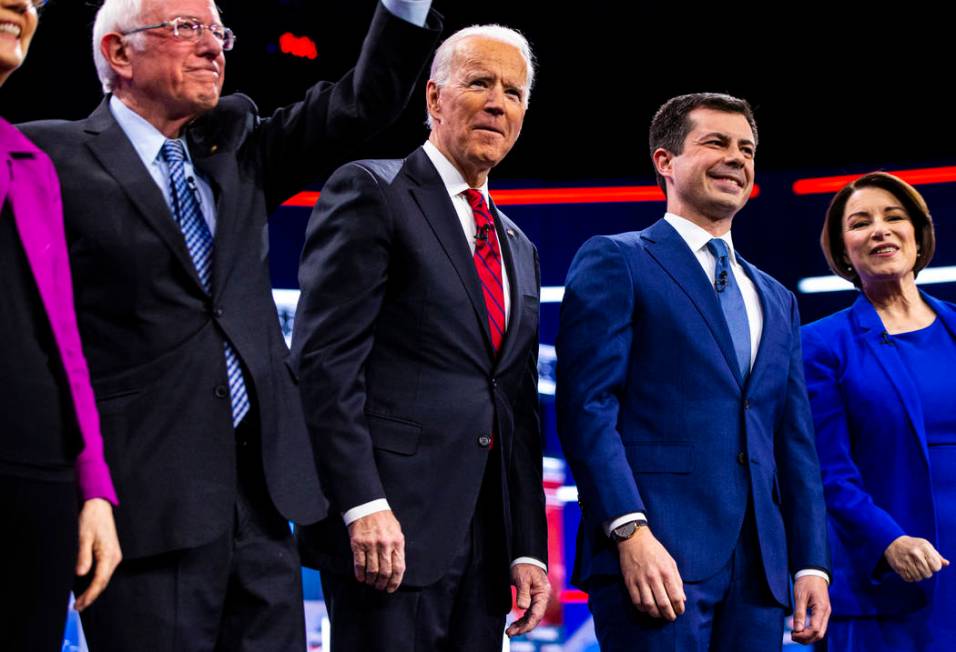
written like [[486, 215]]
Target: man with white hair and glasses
[[166, 191]]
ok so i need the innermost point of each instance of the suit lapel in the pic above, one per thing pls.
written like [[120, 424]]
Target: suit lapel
[[517, 282], [942, 311], [432, 198], [776, 321], [32, 213], [110, 146], [218, 167], [675, 257], [874, 335]]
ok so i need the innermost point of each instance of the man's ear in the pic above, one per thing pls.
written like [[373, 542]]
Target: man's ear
[[433, 100], [116, 50], [663, 161]]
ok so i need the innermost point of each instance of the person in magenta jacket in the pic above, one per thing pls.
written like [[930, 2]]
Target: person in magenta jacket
[[50, 443]]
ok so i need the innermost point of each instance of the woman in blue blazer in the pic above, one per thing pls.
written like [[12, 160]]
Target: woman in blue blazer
[[880, 379]]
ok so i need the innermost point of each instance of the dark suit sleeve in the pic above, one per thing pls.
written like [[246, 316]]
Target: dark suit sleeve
[[798, 469], [310, 138], [593, 350], [851, 508], [343, 276], [525, 480]]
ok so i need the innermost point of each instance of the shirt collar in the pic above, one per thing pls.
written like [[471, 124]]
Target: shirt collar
[[454, 182], [147, 140], [695, 236]]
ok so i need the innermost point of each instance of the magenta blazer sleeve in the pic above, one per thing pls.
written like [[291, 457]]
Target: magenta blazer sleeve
[[34, 194]]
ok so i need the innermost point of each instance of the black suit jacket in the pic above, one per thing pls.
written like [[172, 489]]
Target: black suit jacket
[[154, 337], [400, 384]]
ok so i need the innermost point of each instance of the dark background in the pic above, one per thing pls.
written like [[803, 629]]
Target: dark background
[[835, 91]]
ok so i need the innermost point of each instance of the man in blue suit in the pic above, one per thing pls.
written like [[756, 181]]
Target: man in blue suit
[[683, 413]]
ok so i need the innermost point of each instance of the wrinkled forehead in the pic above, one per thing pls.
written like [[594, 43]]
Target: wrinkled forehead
[[477, 53], [158, 10]]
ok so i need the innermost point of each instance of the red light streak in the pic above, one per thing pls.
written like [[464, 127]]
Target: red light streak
[[915, 176], [549, 196]]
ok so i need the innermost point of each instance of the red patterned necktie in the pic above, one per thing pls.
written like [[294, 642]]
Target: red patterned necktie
[[488, 263]]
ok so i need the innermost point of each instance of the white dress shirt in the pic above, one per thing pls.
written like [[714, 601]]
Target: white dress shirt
[[148, 142]]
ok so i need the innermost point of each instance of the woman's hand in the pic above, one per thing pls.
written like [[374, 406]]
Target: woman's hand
[[914, 559]]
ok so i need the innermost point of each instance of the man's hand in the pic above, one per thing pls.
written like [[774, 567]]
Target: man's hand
[[534, 591], [378, 550], [810, 593], [651, 576], [98, 543], [914, 559]]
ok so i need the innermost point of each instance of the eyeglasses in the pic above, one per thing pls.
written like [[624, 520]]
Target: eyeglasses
[[189, 29]]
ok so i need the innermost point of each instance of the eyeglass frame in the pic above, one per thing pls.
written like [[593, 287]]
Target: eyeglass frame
[[228, 36]]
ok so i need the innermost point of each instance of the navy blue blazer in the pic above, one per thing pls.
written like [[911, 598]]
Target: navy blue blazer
[[399, 379], [154, 336], [654, 416], [872, 446]]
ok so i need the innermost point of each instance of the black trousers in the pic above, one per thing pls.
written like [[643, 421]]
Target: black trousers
[[239, 593], [463, 612], [39, 547]]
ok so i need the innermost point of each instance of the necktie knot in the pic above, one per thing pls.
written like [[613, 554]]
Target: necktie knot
[[475, 198], [718, 248], [173, 151]]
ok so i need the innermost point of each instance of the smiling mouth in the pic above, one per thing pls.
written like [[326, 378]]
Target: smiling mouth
[[723, 177], [883, 250], [7, 27]]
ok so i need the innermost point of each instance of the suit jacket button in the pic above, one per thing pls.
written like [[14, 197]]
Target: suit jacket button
[[741, 458], [221, 391], [746, 404], [484, 441], [217, 311]]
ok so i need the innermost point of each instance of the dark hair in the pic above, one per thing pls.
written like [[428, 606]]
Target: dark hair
[[831, 238], [670, 125]]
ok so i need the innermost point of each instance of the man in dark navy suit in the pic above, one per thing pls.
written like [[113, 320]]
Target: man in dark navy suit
[[416, 344], [684, 416], [167, 189]]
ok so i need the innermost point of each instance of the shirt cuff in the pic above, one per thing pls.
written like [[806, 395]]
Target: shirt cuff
[[529, 560], [814, 572], [621, 520], [411, 11], [357, 512]]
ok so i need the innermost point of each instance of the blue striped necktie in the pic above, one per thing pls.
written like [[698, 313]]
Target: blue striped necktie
[[200, 245], [732, 304]]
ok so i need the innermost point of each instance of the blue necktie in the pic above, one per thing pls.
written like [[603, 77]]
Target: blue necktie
[[732, 303], [199, 242]]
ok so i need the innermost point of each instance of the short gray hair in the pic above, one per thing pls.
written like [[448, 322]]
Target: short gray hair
[[441, 64], [114, 16]]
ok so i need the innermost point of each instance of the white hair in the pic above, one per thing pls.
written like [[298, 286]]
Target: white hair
[[441, 64], [114, 16]]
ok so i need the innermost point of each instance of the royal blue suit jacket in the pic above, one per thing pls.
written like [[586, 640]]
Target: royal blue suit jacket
[[875, 464], [655, 417]]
